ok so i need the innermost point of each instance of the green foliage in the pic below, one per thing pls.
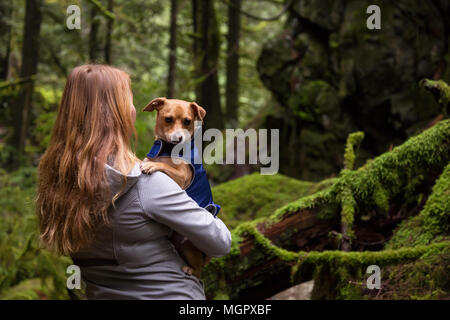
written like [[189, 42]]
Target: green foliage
[[21, 259], [44, 126], [30, 289]]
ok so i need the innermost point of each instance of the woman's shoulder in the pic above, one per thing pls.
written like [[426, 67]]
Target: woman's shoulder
[[156, 189], [157, 182]]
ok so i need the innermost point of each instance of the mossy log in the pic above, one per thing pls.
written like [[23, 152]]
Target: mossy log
[[255, 196], [271, 253], [441, 92]]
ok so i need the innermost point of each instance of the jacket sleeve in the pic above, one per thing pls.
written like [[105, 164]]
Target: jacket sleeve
[[165, 202]]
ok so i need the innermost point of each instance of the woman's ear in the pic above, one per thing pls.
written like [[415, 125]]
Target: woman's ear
[[199, 112], [156, 103]]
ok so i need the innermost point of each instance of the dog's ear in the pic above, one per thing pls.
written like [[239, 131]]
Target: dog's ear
[[156, 103], [199, 112]]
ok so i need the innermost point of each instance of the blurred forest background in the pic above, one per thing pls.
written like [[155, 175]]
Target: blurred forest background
[[309, 68]]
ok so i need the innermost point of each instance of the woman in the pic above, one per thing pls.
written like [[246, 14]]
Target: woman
[[95, 205]]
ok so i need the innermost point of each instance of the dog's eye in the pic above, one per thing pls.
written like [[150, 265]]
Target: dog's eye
[[186, 122], [169, 119]]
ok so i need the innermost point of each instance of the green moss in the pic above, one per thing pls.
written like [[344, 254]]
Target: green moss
[[353, 141], [440, 90], [381, 258], [381, 197], [316, 97], [436, 213], [255, 196], [266, 250], [341, 275], [392, 171], [348, 204], [221, 296], [433, 221], [269, 248], [373, 184], [423, 279]]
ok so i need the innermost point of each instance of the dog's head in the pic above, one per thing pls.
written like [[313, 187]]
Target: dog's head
[[175, 118]]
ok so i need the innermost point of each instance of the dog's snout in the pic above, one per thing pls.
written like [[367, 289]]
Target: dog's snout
[[176, 137]]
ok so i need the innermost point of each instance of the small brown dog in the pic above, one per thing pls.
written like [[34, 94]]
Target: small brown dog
[[174, 119]]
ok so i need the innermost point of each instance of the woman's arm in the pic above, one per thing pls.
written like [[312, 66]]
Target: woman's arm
[[164, 201]]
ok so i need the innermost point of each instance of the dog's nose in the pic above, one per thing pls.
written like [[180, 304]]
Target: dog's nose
[[176, 138]]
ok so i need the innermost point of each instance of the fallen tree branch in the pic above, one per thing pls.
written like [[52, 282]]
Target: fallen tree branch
[[265, 250]]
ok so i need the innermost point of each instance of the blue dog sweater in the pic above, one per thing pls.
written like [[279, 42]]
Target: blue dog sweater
[[199, 189]]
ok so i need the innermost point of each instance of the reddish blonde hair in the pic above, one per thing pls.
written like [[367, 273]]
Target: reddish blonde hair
[[93, 127]]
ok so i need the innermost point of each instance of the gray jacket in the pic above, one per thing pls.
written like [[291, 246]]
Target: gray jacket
[[132, 258]]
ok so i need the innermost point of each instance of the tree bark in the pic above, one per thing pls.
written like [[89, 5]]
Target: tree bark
[[30, 58], [109, 27], [93, 35], [206, 50], [172, 49], [5, 37], [232, 89]]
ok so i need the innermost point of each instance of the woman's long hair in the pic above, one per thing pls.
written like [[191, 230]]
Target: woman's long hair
[[93, 127]]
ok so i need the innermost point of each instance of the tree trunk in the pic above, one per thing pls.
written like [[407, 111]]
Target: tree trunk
[[172, 49], [30, 54], [109, 27], [232, 90], [196, 30], [206, 50], [5, 37], [93, 33]]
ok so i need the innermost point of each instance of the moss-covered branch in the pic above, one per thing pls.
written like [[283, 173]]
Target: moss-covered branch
[[353, 141], [380, 258], [432, 222], [436, 213], [392, 171], [268, 247], [440, 91]]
